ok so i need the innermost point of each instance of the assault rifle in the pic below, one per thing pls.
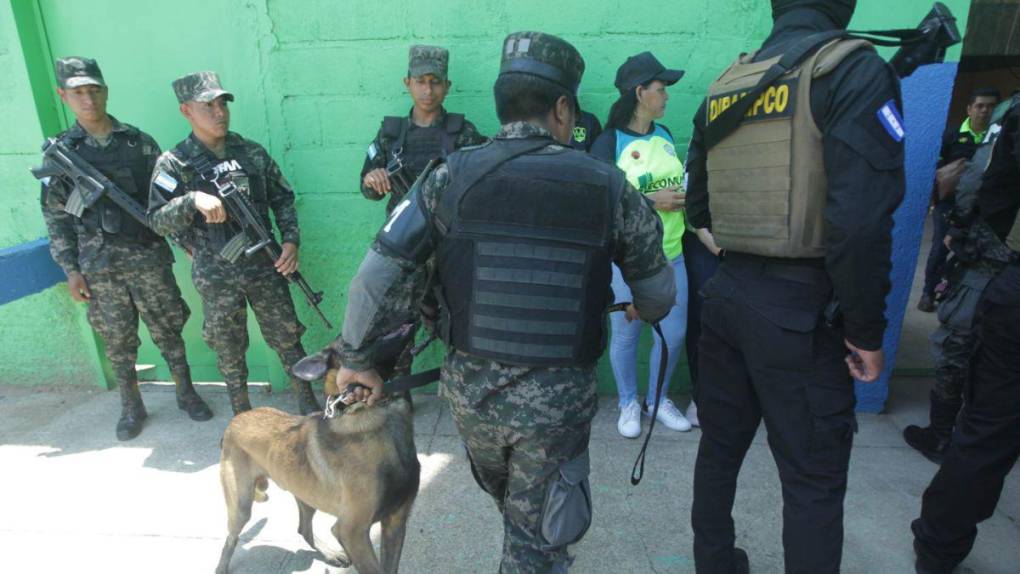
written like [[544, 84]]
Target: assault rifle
[[89, 185], [253, 236], [397, 172]]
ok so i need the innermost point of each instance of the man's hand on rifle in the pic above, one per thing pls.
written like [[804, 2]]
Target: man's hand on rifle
[[211, 207], [288, 261], [78, 287], [378, 181]]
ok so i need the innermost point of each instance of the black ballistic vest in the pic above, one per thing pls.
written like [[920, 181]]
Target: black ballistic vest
[[239, 170], [524, 255], [416, 147], [123, 162]]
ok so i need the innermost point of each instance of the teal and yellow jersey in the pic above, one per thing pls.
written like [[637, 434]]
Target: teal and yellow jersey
[[651, 163]]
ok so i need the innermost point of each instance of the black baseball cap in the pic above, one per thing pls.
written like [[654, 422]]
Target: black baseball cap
[[644, 68]]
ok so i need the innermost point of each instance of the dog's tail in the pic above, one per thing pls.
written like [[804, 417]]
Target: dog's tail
[[261, 486]]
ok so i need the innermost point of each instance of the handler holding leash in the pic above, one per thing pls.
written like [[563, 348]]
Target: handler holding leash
[[521, 233]]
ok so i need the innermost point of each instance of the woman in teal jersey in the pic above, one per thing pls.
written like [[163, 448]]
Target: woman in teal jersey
[[645, 151]]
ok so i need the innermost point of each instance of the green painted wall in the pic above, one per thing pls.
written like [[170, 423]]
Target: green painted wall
[[44, 338], [314, 77]]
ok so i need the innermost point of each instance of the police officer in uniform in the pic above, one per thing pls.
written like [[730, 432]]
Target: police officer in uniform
[[958, 146], [183, 203], [404, 145], [986, 442], [978, 256], [521, 232], [113, 262], [800, 194]]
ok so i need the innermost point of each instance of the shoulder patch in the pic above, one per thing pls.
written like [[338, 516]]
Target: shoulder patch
[[165, 181], [373, 151], [891, 120]]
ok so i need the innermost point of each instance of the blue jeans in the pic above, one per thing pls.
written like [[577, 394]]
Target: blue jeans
[[623, 342]]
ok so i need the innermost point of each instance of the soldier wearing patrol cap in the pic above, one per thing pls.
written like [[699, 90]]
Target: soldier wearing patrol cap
[[183, 203], [796, 177], [112, 262], [405, 144], [521, 233]]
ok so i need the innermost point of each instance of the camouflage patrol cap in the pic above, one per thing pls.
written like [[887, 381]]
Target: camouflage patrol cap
[[73, 71], [428, 60], [544, 56], [200, 87]]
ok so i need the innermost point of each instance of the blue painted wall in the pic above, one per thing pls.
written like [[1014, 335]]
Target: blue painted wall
[[926, 96], [27, 269]]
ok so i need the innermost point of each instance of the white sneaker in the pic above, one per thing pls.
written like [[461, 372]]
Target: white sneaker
[[629, 424], [692, 414], [670, 416]]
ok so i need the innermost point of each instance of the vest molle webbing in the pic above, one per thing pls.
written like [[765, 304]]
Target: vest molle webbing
[[766, 180]]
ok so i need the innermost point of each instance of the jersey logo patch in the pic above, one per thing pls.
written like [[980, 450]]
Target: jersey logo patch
[[891, 120], [166, 181], [580, 134]]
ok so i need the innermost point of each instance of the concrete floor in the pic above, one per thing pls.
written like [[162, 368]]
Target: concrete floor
[[73, 498]]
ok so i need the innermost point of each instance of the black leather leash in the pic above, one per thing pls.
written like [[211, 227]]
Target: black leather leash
[[638, 472]]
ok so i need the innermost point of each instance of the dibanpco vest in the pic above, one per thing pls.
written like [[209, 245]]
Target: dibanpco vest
[[766, 180], [124, 163], [524, 253]]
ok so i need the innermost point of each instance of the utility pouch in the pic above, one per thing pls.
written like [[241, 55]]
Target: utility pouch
[[566, 513]]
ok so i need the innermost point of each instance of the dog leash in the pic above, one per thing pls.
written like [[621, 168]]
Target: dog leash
[[638, 472]]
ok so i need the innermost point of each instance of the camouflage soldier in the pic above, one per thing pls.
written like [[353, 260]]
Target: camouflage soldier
[[114, 263], [979, 256], [404, 145], [521, 232], [180, 194]]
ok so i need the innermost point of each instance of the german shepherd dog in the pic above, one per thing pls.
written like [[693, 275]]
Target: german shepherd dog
[[359, 465]]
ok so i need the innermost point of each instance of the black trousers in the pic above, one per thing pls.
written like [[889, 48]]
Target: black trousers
[[701, 265], [986, 442], [766, 355]]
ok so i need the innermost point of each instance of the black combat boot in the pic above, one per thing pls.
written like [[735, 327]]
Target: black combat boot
[[238, 392], [933, 441], [132, 410], [307, 404], [187, 399]]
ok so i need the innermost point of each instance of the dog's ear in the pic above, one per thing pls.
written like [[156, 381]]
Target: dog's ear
[[312, 367]]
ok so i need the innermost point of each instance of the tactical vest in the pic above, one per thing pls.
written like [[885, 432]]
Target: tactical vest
[[416, 147], [766, 180], [214, 236], [524, 253], [125, 164]]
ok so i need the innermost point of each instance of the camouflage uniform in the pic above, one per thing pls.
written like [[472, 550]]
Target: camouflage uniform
[[227, 288], [128, 272], [522, 426], [422, 143]]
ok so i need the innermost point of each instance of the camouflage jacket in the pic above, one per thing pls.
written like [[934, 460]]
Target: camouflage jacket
[[381, 148], [172, 204], [387, 290], [76, 248]]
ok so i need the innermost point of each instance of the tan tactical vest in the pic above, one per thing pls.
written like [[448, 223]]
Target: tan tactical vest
[[766, 180]]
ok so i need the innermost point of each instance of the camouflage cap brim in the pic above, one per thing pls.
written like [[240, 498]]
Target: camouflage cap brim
[[78, 81], [426, 69], [211, 95]]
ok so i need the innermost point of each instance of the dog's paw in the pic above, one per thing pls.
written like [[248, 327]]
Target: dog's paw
[[338, 560]]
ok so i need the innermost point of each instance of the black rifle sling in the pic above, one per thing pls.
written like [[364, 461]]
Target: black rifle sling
[[724, 124], [729, 119]]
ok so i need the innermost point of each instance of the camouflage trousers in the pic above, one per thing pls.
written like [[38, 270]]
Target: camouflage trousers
[[954, 340], [524, 441], [119, 297], [225, 301]]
